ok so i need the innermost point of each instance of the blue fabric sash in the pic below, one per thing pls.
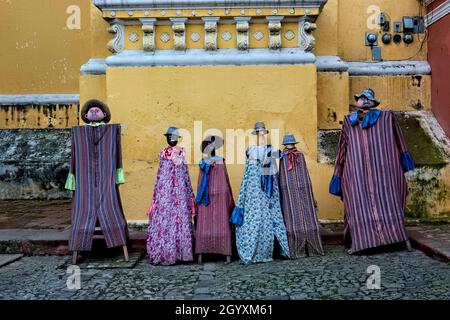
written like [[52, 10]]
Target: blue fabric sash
[[407, 161], [202, 192], [237, 217], [370, 118], [267, 180], [335, 186], [267, 184]]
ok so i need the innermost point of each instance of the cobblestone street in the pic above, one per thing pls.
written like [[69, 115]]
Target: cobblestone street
[[404, 275]]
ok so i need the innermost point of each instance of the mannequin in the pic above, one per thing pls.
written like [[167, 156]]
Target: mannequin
[[257, 215], [298, 202], [172, 211], [90, 143], [214, 202], [371, 160]]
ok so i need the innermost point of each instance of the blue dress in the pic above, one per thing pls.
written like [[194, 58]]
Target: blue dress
[[260, 201]]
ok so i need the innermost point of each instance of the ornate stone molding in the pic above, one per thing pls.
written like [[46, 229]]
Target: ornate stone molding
[[306, 40], [242, 27], [204, 4], [274, 26], [179, 33], [117, 43], [148, 29], [211, 32]]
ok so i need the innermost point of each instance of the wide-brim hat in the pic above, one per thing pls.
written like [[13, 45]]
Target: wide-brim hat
[[172, 131], [260, 127], [289, 139], [369, 94], [217, 141], [95, 103]]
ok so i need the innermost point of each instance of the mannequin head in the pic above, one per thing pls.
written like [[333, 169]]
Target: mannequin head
[[261, 133], [95, 111], [366, 100], [289, 141], [261, 137], [290, 146], [172, 140], [172, 136], [210, 144]]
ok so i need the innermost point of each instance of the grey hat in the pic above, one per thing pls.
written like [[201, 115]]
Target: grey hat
[[260, 126], [289, 139], [172, 131], [369, 94]]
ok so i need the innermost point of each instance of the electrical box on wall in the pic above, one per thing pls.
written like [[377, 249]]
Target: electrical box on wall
[[376, 54], [413, 24], [397, 27]]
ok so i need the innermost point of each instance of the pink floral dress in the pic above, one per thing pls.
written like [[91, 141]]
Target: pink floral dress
[[170, 233]]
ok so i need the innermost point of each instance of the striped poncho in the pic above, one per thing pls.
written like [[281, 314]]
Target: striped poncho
[[372, 158], [95, 172]]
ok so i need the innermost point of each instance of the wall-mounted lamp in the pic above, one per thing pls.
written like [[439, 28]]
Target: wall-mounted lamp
[[397, 39]]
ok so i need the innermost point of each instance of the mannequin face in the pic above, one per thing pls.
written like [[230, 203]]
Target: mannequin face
[[290, 146], [364, 103], [95, 114], [172, 140]]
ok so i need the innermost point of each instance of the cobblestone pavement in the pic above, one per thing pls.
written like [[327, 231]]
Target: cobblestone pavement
[[404, 275]]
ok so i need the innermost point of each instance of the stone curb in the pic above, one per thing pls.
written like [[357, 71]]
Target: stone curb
[[430, 247], [55, 242]]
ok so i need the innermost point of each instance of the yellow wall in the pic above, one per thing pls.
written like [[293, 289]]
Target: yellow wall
[[41, 116], [332, 99], [402, 93], [327, 30], [352, 16], [39, 53], [92, 87], [148, 100]]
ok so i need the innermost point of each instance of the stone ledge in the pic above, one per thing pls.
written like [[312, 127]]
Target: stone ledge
[[38, 99], [200, 57]]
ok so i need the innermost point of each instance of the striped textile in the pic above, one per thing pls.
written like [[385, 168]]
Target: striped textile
[[299, 206], [96, 154], [369, 177], [213, 230]]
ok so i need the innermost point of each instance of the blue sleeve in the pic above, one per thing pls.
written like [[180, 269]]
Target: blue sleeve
[[407, 161], [335, 186]]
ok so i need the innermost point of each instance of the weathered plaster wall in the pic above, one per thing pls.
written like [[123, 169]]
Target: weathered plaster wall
[[401, 93], [148, 100], [34, 163]]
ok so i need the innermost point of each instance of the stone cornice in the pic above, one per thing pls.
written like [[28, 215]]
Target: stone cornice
[[38, 99], [204, 4]]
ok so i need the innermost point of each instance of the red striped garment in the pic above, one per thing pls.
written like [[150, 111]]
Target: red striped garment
[[213, 229], [96, 155], [369, 176], [299, 206]]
